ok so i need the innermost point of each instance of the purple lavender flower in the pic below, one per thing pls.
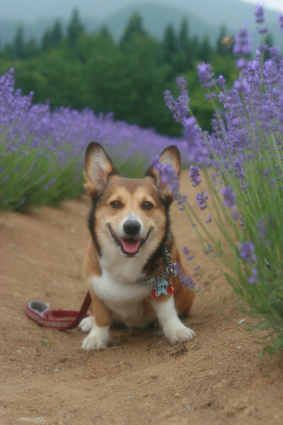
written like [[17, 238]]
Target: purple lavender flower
[[185, 250], [181, 83], [261, 228], [222, 82], [243, 43], [254, 278], [241, 63], [272, 184], [196, 143], [179, 108], [201, 200], [242, 86], [259, 14], [209, 220], [205, 75], [247, 252], [229, 197], [209, 249], [194, 175], [186, 280], [4, 179]]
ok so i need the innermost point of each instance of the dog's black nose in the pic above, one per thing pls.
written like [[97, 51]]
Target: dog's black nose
[[131, 227]]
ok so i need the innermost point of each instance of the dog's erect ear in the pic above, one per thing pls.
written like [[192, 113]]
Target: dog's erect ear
[[98, 169], [170, 156]]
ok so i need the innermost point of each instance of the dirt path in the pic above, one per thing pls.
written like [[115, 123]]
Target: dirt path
[[217, 378]]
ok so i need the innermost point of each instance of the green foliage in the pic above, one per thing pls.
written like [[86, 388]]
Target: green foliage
[[74, 29], [134, 28], [52, 38], [18, 47], [89, 70]]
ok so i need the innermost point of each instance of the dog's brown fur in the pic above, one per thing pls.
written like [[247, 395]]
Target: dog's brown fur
[[105, 187]]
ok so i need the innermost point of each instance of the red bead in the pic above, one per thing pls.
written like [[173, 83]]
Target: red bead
[[170, 289], [154, 293]]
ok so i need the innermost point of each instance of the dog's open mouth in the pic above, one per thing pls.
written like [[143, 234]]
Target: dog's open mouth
[[129, 246]]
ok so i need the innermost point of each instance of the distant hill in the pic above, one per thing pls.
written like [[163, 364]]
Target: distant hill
[[204, 16], [156, 18]]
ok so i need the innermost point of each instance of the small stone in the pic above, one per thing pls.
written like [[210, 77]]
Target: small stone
[[241, 321]]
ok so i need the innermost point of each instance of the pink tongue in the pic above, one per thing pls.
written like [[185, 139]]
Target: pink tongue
[[130, 245]]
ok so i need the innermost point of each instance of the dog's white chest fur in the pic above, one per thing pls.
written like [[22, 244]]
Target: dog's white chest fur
[[121, 293]]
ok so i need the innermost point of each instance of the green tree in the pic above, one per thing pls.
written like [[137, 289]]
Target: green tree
[[169, 45], [18, 46], [75, 29], [56, 34], [205, 50], [133, 28], [183, 59], [104, 31], [31, 49], [183, 39], [46, 40]]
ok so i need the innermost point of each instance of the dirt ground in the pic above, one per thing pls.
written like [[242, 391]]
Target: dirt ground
[[218, 378]]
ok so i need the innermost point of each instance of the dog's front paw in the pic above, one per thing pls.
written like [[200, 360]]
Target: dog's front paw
[[86, 324], [97, 339], [175, 332]]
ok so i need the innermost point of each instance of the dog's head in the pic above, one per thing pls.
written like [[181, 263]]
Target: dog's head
[[128, 216]]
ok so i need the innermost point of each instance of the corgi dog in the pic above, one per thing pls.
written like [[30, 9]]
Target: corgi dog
[[129, 262]]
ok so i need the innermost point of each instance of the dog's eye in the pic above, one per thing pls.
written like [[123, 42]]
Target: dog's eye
[[147, 206], [116, 204]]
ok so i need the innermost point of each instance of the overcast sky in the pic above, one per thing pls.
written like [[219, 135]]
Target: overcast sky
[[32, 9], [271, 4]]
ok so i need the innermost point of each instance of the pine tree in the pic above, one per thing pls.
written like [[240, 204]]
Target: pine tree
[[169, 45], [46, 40], [18, 46], [134, 27], [104, 31], [31, 50], [205, 50], [74, 29], [56, 34], [184, 41]]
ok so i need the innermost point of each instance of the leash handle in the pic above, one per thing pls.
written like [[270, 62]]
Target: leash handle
[[41, 314]]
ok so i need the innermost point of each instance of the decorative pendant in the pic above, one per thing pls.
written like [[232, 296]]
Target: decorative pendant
[[163, 287]]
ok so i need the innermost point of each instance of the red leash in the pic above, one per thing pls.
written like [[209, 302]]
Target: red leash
[[41, 314]]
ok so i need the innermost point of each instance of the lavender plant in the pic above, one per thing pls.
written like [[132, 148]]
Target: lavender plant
[[242, 163], [42, 152]]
